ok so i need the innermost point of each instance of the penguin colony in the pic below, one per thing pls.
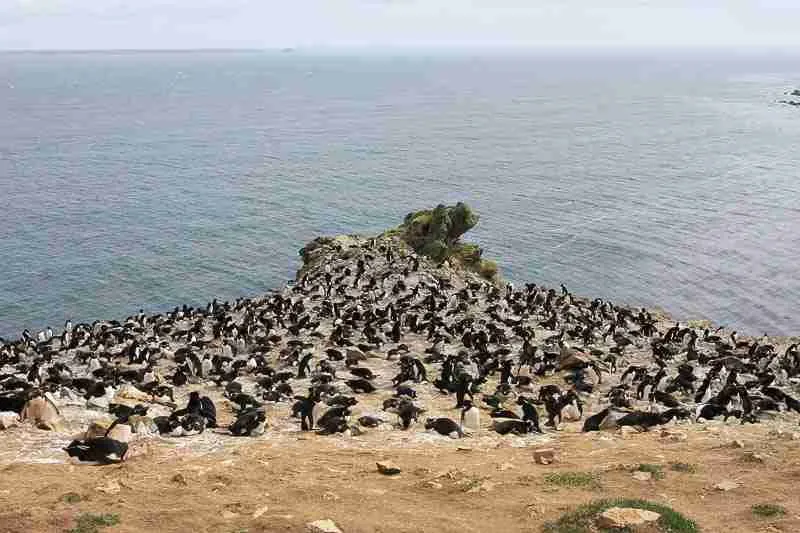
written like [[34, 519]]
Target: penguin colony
[[369, 322]]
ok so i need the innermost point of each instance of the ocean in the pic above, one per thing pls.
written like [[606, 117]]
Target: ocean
[[153, 179]]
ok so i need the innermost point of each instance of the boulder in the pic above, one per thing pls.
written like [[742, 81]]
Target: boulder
[[642, 476], [625, 517], [323, 526], [42, 413], [8, 419]]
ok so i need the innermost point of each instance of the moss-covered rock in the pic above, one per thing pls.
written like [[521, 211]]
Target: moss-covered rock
[[436, 233]]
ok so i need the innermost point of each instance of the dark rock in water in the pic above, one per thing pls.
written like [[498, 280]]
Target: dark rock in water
[[796, 92]]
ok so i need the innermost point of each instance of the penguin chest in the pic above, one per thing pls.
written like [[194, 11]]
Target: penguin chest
[[570, 413], [472, 419]]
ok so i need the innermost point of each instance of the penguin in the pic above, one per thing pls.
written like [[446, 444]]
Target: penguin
[[103, 450], [444, 426], [470, 417]]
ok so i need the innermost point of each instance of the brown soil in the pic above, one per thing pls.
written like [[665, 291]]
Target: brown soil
[[460, 486]]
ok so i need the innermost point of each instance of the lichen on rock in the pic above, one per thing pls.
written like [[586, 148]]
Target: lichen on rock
[[433, 233], [436, 234]]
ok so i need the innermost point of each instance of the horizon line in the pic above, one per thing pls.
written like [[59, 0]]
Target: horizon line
[[423, 47]]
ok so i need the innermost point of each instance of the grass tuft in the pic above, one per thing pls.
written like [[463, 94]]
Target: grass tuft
[[582, 519], [768, 510], [583, 480], [657, 471], [71, 497], [91, 523]]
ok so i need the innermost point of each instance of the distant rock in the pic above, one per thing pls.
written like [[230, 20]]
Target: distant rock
[[795, 92], [625, 517], [323, 526]]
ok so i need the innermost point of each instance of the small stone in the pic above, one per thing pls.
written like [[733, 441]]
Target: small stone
[[112, 487], [483, 486], [260, 511], [726, 485], [179, 479], [330, 497], [544, 456], [737, 444], [625, 517], [505, 466], [229, 515], [433, 485], [674, 436], [642, 476], [784, 435], [753, 457], [8, 419], [388, 469], [323, 526]]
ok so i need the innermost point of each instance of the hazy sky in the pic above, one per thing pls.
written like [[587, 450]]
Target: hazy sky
[[93, 24]]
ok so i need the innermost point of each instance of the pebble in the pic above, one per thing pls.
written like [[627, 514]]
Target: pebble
[[323, 526], [727, 485], [544, 456]]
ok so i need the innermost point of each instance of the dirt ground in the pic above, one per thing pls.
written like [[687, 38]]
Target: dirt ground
[[467, 485]]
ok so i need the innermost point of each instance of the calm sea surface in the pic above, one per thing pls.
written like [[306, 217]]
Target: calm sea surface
[[148, 180]]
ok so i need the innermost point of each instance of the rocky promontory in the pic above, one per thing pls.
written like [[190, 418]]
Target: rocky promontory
[[407, 333]]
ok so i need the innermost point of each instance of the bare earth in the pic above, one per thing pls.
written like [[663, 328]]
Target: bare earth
[[485, 483]]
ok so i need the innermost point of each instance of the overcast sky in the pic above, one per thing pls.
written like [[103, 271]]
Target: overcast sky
[[117, 24]]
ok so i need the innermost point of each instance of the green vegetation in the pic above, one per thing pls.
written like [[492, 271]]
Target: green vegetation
[[91, 523], [686, 468], [582, 519], [436, 233], [657, 471], [71, 497], [768, 510], [584, 480]]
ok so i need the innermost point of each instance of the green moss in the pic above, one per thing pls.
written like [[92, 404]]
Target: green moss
[[91, 523], [467, 254], [71, 497], [768, 510], [582, 519], [657, 471], [488, 269], [583, 480]]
